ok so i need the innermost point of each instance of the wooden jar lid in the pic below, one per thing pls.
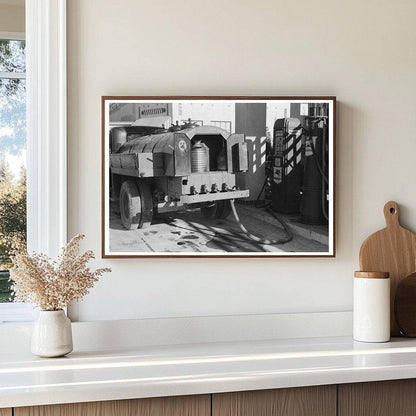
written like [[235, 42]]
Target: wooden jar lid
[[372, 275]]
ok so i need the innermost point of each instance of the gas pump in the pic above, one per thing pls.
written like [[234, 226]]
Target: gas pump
[[287, 170], [314, 198], [300, 165]]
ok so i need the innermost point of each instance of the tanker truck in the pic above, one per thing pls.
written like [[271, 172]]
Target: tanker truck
[[154, 170]]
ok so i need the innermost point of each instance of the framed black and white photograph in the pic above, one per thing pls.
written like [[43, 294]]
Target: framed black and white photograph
[[218, 176]]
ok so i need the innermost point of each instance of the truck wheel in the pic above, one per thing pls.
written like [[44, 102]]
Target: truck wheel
[[147, 203], [223, 209], [136, 205]]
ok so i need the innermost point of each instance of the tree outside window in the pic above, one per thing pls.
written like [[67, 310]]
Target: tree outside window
[[12, 156]]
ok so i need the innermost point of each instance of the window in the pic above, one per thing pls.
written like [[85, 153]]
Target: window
[[45, 90], [12, 154]]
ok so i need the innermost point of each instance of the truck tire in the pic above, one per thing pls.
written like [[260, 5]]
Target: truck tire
[[136, 205], [147, 203]]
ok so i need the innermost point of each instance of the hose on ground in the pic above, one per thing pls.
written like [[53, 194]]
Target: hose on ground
[[258, 239], [268, 209]]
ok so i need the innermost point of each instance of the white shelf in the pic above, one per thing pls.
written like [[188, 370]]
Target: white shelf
[[150, 371]]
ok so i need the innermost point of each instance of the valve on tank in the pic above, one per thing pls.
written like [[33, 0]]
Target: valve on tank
[[225, 187], [175, 127], [189, 124], [199, 157]]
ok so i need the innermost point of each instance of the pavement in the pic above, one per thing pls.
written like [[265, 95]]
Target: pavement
[[188, 231]]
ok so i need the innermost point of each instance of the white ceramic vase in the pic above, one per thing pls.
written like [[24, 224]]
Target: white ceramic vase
[[52, 334]]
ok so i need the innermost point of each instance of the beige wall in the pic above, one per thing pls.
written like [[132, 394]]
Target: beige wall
[[361, 51], [12, 18]]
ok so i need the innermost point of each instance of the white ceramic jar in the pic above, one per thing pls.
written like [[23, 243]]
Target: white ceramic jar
[[371, 305], [52, 334]]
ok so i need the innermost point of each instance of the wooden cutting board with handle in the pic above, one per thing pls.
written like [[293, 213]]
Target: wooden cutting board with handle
[[393, 250]]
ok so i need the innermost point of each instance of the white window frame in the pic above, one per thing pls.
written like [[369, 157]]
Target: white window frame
[[46, 127]]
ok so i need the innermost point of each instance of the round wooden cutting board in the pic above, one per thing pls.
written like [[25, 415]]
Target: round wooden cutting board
[[393, 250]]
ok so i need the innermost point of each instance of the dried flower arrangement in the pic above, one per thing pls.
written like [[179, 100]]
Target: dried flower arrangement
[[53, 285]]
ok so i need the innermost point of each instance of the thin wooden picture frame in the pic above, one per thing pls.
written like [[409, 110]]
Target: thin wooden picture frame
[[135, 131]]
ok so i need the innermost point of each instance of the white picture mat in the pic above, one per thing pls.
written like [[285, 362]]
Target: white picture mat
[[331, 204]]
